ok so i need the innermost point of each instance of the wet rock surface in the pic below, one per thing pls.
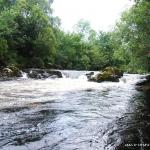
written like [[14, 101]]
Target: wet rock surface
[[9, 73], [108, 74], [144, 85], [132, 130], [89, 75], [12, 73], [42, 73]]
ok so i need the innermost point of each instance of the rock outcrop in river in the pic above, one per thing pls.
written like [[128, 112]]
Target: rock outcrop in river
[[12, 72], [144, 85], [42, 73], [108, 74]]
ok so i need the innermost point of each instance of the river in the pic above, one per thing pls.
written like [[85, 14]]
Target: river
[[71, 113]]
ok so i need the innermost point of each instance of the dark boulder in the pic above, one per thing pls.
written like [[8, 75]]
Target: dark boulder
[[34, 74], [144, 85], [54, 72], [89, 75], [43, 73]]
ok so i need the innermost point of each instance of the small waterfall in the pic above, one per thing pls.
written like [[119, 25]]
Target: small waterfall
[[81, 75], [73, 74], [24, 75], [132, 78]]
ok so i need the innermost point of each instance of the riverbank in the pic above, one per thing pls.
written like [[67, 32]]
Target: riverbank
[[144, 85]]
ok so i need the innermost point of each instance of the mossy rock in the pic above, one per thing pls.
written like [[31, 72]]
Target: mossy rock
[[108, 74], [16, 72], [113, 71], [6, 72], [11, 71]]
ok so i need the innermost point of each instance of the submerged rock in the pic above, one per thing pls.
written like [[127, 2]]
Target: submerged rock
[[108, 74]]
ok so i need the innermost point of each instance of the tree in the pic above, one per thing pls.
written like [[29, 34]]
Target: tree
[[134, 30], [27, 26], [83, 28]]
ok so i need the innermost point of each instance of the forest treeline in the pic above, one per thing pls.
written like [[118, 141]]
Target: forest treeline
[[30, 36]]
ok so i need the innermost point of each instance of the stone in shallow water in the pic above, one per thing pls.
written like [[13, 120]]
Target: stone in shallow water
[[42, 73], [108, 74], [10, 72]]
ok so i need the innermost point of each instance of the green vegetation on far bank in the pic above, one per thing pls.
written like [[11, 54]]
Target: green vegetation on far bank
[[30, 36]]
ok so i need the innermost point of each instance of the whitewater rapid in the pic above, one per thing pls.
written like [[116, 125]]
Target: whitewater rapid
[[66, 113]]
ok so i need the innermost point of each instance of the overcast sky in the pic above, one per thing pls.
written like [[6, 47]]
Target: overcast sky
[[102, 14]]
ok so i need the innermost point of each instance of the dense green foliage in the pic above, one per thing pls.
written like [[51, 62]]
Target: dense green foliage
[[27, 32], [132, 38], [84, 50], [30, 37]]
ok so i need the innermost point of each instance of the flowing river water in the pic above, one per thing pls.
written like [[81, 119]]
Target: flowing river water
[[71, 113]]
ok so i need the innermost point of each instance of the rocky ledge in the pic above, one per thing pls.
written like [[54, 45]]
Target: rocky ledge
[[13, 72], [108, 74], [144, 85], [42, 73], [10, 72]]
